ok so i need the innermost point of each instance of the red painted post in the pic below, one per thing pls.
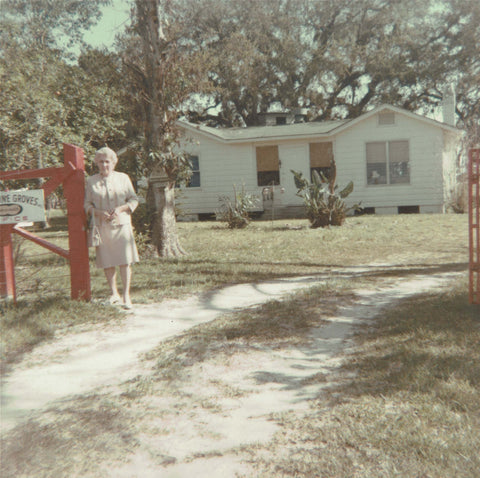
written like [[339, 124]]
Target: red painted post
[[7, 266], [74, 190], [474, 224]]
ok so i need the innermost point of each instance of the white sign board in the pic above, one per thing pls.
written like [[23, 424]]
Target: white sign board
[[22, 206]]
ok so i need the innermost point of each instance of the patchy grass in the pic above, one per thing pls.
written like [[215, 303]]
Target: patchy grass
[[405, 403], [110, 427], [219, 256], [265, 250], [27, 324], [70, 440], [275, 325], [411, 409], [268, 250]]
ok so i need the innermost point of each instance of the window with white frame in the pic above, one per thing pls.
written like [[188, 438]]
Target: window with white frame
[[388, 162], [194, 181]]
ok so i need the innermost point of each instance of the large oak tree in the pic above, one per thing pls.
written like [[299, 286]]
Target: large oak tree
[[337, 57]]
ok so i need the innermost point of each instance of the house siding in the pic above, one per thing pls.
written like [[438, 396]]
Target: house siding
[[425, 160], [221, 167], [225, 164]]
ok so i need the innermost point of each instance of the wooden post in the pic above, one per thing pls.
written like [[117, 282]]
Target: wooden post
[[7, 268], [74, 190], [474, 224]]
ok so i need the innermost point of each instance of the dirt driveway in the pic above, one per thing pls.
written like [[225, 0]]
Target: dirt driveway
[[96, 393]]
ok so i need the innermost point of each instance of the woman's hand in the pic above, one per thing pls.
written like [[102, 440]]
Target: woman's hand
[[108, 215], [113, 213]]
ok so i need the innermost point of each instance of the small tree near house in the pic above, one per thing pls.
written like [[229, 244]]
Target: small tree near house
[[164, 73], [324, 204]]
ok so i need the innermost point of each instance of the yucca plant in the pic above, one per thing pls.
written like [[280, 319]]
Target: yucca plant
[[236, 213], [324, 205]]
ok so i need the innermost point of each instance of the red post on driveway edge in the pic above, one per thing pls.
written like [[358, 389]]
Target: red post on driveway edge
[[474, 224]]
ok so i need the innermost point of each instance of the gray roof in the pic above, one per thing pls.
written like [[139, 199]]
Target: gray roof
[[298, 130], [256, 133]]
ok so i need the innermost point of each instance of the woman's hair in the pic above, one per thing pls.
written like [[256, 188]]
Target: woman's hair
[[109, 153]]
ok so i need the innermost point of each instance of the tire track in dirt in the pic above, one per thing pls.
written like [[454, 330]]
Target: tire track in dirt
[[270, 382]]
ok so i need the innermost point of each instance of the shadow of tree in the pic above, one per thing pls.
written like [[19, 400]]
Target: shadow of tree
[[419, 346]]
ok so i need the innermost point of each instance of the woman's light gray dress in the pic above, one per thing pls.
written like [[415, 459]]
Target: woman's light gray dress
[[118, 243]]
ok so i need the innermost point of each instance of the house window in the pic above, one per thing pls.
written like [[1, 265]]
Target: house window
[[279, 120], [268, 166], [194, 181], [387, 117], [321, 156], [388, 162]]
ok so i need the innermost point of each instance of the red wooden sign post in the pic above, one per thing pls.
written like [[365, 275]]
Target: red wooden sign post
[[7, 270], [474, 224], [72, 175]]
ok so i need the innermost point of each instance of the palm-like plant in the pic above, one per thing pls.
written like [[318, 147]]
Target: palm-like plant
[[236, 213], [324, 204]]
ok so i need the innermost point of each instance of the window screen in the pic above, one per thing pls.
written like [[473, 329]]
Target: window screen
[[268, 172], [194, 181], [388, 162], [399, 162], [321, 156], [376, 163]]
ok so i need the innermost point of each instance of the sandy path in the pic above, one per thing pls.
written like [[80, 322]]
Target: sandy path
[[102, 355], [203, 443], [200, 443]]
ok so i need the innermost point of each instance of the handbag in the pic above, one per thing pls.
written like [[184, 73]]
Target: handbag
[[93, 233]]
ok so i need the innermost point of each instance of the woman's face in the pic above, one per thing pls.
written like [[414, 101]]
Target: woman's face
[[105, 165]]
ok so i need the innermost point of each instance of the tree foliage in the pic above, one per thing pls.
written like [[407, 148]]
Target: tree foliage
[[337, 57], [46, 99], [164, 74], [51, 24], [223, 62]]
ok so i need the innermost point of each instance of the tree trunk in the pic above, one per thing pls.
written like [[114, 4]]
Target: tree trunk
[[164, 229], [162, 182]]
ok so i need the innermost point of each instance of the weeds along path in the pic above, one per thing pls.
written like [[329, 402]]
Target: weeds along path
[[79, 363], [98, 355]]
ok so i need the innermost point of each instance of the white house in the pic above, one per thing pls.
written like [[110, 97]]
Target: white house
[[399, 162]]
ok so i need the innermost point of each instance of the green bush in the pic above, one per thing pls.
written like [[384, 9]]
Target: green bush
[[324, 205]]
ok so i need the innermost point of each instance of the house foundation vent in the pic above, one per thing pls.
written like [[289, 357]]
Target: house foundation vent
[[408, 209], [362, 211]]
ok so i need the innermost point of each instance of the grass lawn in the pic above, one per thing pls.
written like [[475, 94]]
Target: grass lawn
[[411, 410], [406, 400], [219, 256]]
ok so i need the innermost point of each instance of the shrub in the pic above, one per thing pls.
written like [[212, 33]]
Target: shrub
[[236, 213], [324, 205]]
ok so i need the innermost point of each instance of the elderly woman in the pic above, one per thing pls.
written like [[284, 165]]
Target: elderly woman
[[111, 198]]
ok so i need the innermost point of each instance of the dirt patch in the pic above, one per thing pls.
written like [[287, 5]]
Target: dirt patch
[[199, 407]]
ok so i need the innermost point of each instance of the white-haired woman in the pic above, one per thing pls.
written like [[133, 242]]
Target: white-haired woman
[[111, 197]]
